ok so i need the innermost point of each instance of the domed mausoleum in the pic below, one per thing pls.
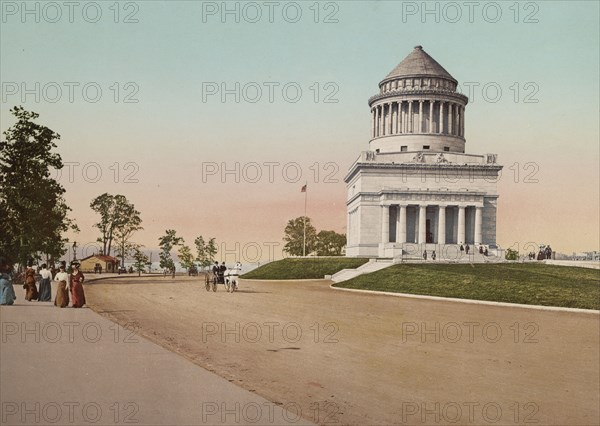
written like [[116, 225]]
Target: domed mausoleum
[[416, 189]]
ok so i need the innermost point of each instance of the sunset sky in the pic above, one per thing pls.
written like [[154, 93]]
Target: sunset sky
[[159, 123]]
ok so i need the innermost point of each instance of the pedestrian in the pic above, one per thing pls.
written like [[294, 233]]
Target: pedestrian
[[31, 292], [433, 255], [7, 291], [425, 255], [461, 249], [76, 284], [467, 248], [62, 292], [485, 252], [45, 286]]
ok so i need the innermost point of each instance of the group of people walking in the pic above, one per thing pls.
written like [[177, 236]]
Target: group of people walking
[[68, 283]]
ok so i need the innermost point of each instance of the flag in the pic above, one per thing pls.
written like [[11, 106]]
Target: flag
[[303, 189]]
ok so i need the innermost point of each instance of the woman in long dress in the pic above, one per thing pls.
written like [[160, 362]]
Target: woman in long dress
[[62, 293], [45, 287], [31, 292], [76, 283], [7, 292]]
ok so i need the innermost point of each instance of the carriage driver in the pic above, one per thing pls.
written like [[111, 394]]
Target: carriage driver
[[215, 269]]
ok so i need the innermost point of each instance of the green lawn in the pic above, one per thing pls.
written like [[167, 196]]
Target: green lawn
[[305, 268], [530, 284]]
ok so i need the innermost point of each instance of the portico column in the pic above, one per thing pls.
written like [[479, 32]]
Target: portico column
[[401, 225], [393, 123], [442, 225], [378, 121], [441, 127], [410, 117], [422, 222], [385, 224], [461, 225], [478, 224], [420, 130]]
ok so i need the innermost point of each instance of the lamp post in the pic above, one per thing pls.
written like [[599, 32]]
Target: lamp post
[[74, 251]]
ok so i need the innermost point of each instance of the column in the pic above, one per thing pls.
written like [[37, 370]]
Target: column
[[400, 119], [463, 122], [410, 118], [378, 120], [385, 120], [391, 118], [430, 116], [373, 118], [420, 130], [478, 224], [422, 224], [441, 126], [461, 225], [385, 224], [401, 225], [441, 239], [450, 109]]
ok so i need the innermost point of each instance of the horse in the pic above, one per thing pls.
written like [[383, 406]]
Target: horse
[[232, 278]]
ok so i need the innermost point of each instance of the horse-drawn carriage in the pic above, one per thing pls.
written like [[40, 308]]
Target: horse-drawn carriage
[[226, 276]]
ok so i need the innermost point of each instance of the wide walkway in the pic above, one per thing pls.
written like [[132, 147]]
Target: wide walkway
[[72, 366]]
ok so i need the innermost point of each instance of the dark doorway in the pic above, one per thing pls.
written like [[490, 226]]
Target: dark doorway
[[428, 234]]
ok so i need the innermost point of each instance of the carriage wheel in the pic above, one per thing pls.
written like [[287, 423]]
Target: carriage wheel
[[207, 285]]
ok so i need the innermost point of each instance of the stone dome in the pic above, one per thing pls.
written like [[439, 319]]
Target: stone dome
[[418, 64]]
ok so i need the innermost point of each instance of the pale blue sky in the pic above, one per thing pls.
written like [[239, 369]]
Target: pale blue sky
[[170, 52]]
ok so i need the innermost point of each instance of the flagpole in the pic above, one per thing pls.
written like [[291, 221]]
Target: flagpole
[[304, 239]]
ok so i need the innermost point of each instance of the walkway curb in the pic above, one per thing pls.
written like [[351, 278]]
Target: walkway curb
[[472, 301]]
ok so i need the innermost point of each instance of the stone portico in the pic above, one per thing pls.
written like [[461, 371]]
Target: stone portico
[[416, 185]]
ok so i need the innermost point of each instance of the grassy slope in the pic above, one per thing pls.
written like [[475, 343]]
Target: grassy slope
[[531, 284], [294, 269]]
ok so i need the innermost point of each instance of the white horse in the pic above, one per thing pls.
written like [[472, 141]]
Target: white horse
[[232, 277]]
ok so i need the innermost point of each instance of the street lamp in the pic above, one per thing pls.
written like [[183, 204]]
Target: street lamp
[[74, 251]]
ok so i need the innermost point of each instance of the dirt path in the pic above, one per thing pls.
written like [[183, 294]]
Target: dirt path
[[348, 358]]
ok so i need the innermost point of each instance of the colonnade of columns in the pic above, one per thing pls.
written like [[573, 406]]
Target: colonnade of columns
[[401, 218], [418, 116]]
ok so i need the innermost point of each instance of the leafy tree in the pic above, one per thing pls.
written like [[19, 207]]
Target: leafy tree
[[330, 243], [166, 244], [32, 206], [125, 228], [141, 260], [294, 236], [200, 250], [118, 220], [206, 251], [211, 251], [186, 258]]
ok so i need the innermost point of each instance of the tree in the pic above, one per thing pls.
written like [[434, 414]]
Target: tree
[[186, 258], [118, 220], [141, 260], [206, 251], [128, 222], [211, 251], [330, 243], [166, 244], [294, 236], [32, 206], [200, 250]]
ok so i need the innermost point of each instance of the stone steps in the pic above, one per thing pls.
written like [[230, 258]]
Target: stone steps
[[371, 266]]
